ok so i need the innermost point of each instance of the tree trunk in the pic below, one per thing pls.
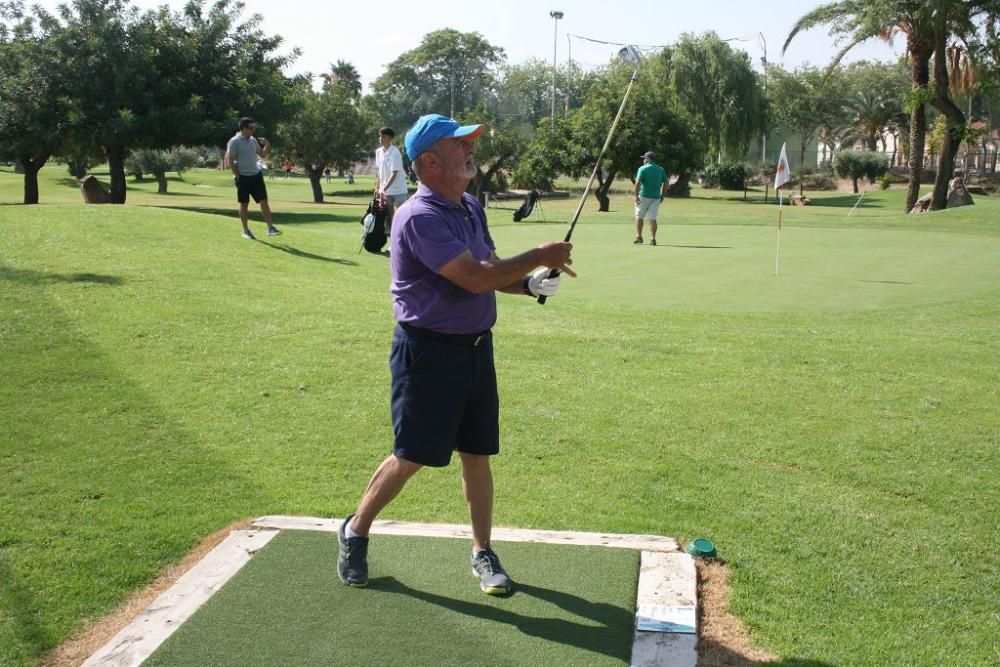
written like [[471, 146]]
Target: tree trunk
[[78, 167], [855, 182], [920, 74], [681, 187], [161, 182], [802, 165], [483, 180], [116, 166], [31, 167], [603, 186], [315, 173], [955, 122]]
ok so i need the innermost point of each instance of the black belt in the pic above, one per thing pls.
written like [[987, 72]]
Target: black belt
[[458, 339]]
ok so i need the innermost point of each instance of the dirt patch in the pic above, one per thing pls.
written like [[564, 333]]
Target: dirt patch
[[77, 649], [722, 641]]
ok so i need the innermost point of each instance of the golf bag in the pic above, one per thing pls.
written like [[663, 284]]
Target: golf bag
[[373, 236], [524, 210]]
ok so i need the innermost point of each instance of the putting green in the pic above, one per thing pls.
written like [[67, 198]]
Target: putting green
[[422, 607], [720, 268]]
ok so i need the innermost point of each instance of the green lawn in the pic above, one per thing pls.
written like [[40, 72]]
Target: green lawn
[[834, 430]]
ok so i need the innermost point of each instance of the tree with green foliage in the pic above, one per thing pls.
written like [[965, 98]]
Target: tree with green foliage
[[546, 157], [329, 129], [498, 149], [159, 79], [962, 20], [345, 74], [525, 92], [450, 72], [717, 85], [159, 162], [856, 165], [862, 20], [31, 111], [650, 121], [868, 114], [806, 102]]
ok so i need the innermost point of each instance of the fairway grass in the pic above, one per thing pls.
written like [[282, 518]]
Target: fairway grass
[[833, 430]]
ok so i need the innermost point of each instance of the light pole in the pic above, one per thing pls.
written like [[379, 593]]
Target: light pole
[[763, 61], [556, 15]]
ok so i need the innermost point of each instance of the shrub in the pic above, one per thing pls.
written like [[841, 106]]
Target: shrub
[[885, 180], [726, 175], [860, 164], [819, 181]]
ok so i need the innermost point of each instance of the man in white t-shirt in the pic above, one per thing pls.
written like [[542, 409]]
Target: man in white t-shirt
[[390, 178]]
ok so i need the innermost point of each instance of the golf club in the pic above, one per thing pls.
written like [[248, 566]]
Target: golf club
[[630, 55]]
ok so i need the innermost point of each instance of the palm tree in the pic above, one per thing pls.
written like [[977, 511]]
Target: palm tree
[[863, 20], [869, 114], [955, 19], [345, 74]]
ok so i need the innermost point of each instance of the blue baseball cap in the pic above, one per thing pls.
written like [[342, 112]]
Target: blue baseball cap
[[430, 129]]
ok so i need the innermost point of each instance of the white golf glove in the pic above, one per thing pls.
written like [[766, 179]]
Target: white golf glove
[[539, 283]]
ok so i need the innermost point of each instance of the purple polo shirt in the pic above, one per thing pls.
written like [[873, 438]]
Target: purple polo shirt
[[428, 231]]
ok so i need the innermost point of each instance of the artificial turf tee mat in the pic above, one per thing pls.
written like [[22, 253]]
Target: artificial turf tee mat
[[570, 605]]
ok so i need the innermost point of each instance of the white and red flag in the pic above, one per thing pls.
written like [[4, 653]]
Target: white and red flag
[[783, 173]]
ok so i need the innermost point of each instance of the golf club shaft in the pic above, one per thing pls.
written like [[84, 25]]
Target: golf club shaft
[[586, 191]]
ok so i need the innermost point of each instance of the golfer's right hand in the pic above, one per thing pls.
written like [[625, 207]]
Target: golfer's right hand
[[236, 180], [556, 255]]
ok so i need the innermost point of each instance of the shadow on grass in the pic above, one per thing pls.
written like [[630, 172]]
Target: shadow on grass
[[280, 218], [845, 201], [308, 255], [713, 653], [613, 637], [697, 247], [40, 277]]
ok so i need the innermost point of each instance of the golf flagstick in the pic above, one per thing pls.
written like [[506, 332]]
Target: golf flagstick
[[781, 176], [777, 252], [630, 55]]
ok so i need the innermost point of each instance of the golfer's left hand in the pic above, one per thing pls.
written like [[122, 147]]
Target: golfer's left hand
[[539, 283]]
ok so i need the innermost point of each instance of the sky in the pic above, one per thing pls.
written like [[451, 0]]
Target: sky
[[371, 36]]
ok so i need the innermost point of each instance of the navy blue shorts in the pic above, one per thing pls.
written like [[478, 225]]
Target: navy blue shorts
[[444, 397]]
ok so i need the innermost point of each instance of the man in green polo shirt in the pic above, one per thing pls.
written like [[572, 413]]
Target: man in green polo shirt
[[650, 189]]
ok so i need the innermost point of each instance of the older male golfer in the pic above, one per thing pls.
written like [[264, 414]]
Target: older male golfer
[[445, 273]]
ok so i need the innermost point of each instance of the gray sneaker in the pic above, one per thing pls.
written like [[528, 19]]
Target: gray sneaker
[[352, 562], [493, 579]]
